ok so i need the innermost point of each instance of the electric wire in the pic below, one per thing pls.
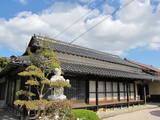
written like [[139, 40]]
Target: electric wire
[[77, 20], [115, 11]]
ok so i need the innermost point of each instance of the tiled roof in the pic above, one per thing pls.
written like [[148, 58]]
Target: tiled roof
[[85, 69], [144, 65], [78, 50]]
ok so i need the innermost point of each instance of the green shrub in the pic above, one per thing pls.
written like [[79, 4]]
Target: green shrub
[[85, 114]]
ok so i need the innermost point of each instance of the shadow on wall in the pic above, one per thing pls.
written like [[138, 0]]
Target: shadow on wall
[[155, 113]]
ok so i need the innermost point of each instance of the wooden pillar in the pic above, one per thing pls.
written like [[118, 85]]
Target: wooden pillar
[[105, 84], [97, 102], [118, 91], [124, 88], [134, 91], [14, 92], [112, 89], [127, 94], [144, 90], [87, 92], [6, 90]]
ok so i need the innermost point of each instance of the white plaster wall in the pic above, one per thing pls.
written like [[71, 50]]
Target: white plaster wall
[[154, 88]]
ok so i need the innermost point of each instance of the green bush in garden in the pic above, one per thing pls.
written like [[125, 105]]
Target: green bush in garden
[[85, 114]]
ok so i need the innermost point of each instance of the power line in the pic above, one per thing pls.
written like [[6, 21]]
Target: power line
[[100, 22], [77, 20]]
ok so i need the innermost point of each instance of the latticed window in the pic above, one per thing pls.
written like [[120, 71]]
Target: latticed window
[[109, 91], [122, 91], [77, 91], [131, 91]]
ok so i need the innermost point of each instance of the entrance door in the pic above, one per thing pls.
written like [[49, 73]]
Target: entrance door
[[11, 92], [140, 89], [2, 92]]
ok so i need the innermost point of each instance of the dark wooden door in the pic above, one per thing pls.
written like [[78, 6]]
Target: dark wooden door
[[2, 90], [11, 92], [140, 91]]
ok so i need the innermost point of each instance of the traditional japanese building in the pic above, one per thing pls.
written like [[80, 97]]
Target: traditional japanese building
[[98, 79]]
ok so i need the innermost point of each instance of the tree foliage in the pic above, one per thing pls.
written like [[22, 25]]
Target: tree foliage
[[3, 63], [44, 61], [44, 58]]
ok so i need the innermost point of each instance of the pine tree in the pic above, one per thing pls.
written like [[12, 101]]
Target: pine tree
[[44, 62], [3, 63]]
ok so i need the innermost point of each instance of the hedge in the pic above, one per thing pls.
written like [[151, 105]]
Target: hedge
[[85, 114]]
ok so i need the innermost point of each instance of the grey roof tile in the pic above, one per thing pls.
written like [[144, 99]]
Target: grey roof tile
[[78, 50], [68, 67], [85, 69]]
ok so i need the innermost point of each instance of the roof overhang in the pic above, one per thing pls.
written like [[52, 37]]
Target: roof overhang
[[88, 70]]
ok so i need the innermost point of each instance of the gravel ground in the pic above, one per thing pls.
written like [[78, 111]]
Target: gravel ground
[[147, 114], [6, 115]]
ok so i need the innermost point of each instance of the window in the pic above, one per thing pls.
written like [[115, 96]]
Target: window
[[108, 91], [115, 91], [101, 91], [101, 86], [131, 91], [92, 91], [77, 91], [108, 87], [92, 86], [122, 91]]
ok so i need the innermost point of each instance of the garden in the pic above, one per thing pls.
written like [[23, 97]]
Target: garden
[[42, 97]]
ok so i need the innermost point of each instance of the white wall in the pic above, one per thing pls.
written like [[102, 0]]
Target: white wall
[[154, 88]]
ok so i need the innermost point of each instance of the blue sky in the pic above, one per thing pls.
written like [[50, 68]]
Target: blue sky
[[131, 34]]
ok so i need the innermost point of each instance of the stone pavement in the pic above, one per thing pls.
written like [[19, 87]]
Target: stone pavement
[[6, 115], [147, 114], [115, 112]]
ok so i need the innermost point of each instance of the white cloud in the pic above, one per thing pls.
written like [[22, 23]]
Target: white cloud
[[134, 27], [85, 1], [23, 1], [155, 43], [108, 9]]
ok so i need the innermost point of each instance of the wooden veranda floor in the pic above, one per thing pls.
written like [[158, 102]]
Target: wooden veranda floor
[[107, 105]]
